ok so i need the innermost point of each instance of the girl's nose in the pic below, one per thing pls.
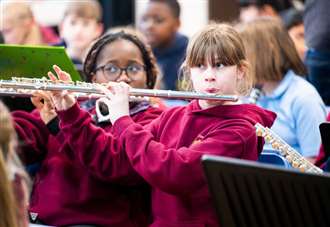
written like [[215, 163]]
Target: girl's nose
[[209, 75], [210, 79], [123, 77]]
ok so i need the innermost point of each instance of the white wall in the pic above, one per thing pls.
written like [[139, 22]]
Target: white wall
[[194, 14]]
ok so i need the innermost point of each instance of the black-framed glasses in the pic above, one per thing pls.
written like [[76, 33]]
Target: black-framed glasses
[[113, 72]]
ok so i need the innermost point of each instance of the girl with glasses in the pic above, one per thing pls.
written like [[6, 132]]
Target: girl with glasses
[[66, 192]]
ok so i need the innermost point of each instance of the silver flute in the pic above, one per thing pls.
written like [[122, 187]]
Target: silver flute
[[90, 90]]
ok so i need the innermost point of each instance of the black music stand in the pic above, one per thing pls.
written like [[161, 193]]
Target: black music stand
[[248, 193]]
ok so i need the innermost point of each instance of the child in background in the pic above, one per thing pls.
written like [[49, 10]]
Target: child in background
[[14, 181], [160, 23], [293, 22], [18, 25], [66, 192], [80, 26], [278, 69], [167, 152], [253, 9]]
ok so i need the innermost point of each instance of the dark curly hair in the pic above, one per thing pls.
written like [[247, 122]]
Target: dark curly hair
[[147, 55]]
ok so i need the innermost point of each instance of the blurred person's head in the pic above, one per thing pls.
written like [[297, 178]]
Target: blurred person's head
[[293, 21], [13, 213], [18, 25], [81, 24], [270, 50], [160, 21], [252, 9]]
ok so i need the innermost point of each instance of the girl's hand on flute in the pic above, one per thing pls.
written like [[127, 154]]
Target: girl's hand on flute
[[62, 100], [117, 99], [44, 104]]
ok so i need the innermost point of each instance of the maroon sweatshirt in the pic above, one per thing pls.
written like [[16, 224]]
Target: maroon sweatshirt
[[67, 193], [167, 154]]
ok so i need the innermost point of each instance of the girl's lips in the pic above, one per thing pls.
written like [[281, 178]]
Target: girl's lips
[[212, 90]]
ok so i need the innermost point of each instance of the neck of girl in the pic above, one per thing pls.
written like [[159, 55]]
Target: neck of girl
[[205, 104], [269, 87]]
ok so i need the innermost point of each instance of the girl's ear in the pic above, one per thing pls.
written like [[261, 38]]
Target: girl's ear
[[241, 70]]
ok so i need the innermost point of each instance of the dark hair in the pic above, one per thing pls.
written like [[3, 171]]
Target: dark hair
[[147, 55], [173, 5], [278, 5], [292, 17]]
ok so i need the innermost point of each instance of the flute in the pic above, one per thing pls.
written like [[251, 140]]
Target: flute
[[296, 160], [27, 93], [91, 89]]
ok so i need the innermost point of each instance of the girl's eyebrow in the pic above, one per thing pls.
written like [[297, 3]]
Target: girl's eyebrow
[[135, 61], [129, 62]]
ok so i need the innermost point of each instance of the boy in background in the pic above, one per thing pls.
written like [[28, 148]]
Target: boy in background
[[80, 26], [160, 23], [293, 22]]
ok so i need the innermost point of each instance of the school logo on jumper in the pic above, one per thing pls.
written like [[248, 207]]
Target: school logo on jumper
[[33, 216]]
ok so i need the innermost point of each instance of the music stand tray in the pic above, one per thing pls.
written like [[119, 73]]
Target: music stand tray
[[247, 193], [33, 61]]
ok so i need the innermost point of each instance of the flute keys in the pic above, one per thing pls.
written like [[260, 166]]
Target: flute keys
[[268, 138], [275, 145], [295, 164], [289, 158], [302, 168], [282, 150]]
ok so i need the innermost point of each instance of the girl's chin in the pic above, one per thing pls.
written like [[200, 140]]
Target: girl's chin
[[211, 103], [215, 102]]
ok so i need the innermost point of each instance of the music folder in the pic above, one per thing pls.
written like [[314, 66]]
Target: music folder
[[247, 193], [33, 61]]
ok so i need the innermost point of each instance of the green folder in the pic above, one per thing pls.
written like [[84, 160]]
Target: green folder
[[33, 61]]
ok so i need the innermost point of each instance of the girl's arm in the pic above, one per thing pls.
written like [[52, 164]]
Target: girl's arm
[[176, 171], [94, 147], [179, 171], [97, 149]]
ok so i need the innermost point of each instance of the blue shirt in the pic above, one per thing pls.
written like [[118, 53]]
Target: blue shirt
[[170, 60], [300, 110]]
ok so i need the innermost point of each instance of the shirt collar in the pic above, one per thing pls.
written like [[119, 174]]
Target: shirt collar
[[283, 86]]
